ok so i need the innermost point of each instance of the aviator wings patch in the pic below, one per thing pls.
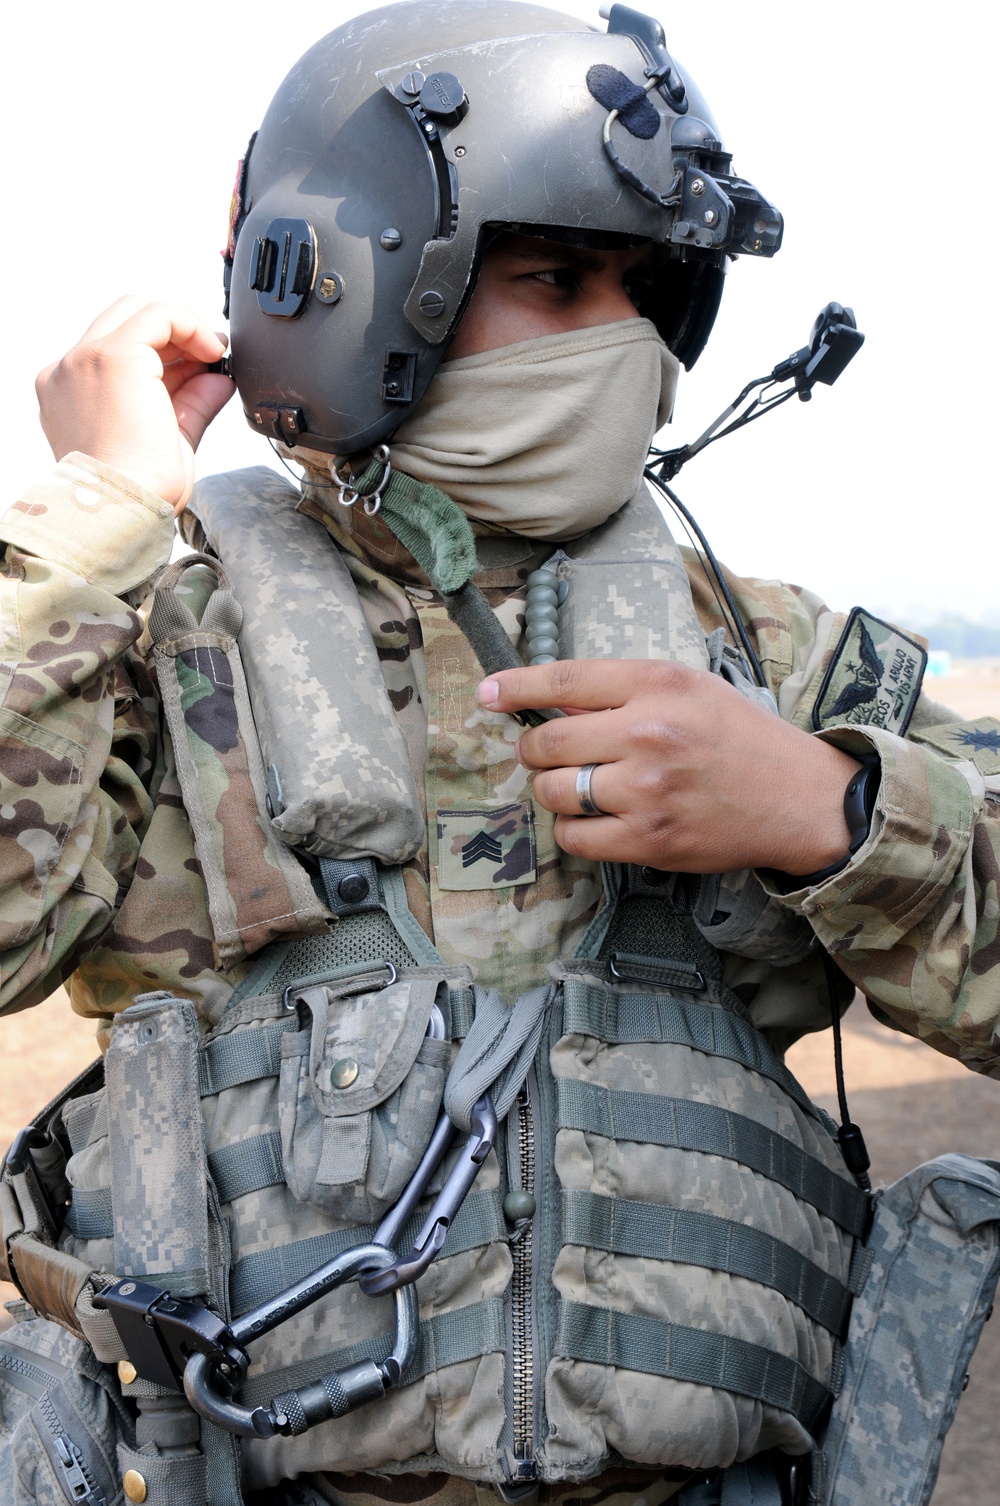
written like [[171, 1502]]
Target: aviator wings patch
[[873, 679]]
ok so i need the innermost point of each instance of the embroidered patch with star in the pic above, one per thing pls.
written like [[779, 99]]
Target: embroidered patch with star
[[978, 740], [873, 679], [486, 849]]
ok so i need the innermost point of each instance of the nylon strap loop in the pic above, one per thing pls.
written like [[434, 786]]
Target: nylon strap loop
[[652, 1347], [655, 1120]]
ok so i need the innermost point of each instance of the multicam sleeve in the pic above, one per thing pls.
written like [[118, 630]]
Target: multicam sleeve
[[914, 919], [77, 720]]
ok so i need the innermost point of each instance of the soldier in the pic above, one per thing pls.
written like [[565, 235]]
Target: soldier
[[305, 810]]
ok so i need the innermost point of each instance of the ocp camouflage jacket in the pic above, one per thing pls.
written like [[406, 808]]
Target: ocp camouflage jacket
[[100, 888]]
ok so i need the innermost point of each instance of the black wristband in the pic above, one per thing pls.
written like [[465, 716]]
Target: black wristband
[[859, 807]]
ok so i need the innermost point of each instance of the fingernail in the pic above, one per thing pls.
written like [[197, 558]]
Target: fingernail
[[488, 693]]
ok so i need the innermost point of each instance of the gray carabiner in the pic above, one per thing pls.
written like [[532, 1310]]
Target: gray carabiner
[[292, 1412], [434, 1230]]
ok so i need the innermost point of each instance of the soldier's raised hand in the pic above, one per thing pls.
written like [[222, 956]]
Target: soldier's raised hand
[[136, 394]]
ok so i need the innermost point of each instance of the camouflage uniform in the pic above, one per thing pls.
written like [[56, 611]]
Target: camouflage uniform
[[104, 890]]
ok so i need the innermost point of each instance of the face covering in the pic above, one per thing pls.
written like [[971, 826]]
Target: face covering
[[548, 437]]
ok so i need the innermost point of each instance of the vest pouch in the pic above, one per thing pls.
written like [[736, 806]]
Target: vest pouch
[[931, 1267], [360, 1092]]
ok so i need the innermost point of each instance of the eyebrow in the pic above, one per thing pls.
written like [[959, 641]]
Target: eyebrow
[[556, 251]]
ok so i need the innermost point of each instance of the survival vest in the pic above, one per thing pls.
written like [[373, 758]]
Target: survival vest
[[655, 1264]]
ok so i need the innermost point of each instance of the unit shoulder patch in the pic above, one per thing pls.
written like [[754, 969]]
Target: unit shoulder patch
[[486, 849], [978, 740], [873, 679]]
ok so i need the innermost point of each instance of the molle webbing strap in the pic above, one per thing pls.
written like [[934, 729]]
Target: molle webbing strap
[[159, 1193], [242, 1056], [256, 889], [258, 1277], [680, 1122], [648, 1230], [451, 1338], [247, 1166], [599, 1336], [625, 1019]]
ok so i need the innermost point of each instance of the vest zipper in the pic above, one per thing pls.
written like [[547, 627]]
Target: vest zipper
[[522, 1324]]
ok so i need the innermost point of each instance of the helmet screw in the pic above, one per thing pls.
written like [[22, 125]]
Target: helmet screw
[[710, 216], [413, 82], [460, 151], [329, 288], [430, 127], [698, 186], [431, 305], [390, 240]]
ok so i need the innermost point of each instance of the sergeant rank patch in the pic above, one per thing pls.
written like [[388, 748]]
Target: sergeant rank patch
[[978, 740], [873, 679], [486, 849]]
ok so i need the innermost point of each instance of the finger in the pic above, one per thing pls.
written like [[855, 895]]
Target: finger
[[171, 329], [556, 790], [588, 737], [587, 684], [602, 839], [198, 402], [113, 317]]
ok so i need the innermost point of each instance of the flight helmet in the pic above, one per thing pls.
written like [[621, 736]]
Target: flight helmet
[[403, 141]]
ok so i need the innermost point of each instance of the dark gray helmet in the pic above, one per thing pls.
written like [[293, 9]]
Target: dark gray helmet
[[402, 140]]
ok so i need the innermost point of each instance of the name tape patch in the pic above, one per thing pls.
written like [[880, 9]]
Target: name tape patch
[[873, 679]]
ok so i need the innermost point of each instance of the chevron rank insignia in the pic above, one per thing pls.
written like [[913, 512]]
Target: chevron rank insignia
[[486, 849], [978, 740], [873, 679]]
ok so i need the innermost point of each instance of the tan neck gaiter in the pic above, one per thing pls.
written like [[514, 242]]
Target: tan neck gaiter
[[548, 437]]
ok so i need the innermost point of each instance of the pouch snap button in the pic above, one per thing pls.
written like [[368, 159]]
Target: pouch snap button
[[344, 1072]]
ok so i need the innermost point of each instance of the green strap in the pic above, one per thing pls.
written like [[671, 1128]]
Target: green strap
[[629, 1341], [247, 1166], [446, 1339], [258, 1277], [655, 1120], [242, 1056], [624, 1019], [624, 1227], [437, 533]]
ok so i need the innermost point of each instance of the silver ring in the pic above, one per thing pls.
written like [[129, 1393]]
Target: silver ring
[[587, 803]]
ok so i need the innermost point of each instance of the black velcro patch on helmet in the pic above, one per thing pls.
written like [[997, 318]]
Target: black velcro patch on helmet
[[616, 91]]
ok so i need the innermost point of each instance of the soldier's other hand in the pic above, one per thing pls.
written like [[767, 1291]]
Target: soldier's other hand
[[693, 777], [135, 393]]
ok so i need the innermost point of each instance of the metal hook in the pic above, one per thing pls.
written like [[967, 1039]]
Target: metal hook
[[347, 488]]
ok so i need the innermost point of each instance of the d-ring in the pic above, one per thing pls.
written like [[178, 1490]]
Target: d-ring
[[347, 491], [588, 805]]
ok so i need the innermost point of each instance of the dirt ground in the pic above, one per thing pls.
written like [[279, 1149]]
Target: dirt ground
[[911, 1102]]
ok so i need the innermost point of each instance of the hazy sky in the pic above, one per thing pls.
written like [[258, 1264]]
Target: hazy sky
[[867, 124]]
